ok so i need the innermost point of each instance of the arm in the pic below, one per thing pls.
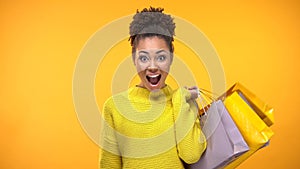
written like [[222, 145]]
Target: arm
[[109, 152], [191, 142], [109, 160]]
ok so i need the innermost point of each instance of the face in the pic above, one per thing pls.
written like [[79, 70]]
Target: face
[[152, 61]]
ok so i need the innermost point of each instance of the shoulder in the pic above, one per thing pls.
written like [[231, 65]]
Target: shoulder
[[115, 99], [181, 94]]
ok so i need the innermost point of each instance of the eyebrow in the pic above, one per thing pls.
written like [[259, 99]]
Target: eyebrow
[[160, 51], [157, 52], [143, 52]]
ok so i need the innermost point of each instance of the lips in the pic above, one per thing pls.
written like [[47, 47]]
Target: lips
[[153, 79]]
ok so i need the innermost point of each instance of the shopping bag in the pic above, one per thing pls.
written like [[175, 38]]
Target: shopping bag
[[263, 110], [254, 130], [224, 141]]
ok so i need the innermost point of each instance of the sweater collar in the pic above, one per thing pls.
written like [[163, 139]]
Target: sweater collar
[[138, 93]]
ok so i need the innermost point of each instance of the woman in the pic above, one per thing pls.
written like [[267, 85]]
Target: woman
[[151, 125]]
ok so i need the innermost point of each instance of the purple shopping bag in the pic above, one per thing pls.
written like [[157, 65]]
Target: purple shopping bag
[[224, 141]]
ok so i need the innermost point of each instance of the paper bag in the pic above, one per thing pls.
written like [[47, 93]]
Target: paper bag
[[224, 141], [263, 110], [254, 130]]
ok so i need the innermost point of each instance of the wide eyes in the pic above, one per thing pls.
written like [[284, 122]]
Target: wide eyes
[[143, 58], [159, 58]]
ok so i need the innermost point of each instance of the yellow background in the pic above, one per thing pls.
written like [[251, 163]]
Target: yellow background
[[258, 43]]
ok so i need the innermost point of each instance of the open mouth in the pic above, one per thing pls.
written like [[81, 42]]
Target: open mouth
[[153, 79]]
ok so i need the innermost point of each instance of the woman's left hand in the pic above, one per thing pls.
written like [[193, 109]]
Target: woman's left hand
[[194, 91]]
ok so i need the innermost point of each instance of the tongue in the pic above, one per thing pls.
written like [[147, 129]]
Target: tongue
[[153, 80]]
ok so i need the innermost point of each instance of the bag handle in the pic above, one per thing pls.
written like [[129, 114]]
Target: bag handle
[[205, 99]]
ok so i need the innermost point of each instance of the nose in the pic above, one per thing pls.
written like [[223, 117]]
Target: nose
[[153, 67]]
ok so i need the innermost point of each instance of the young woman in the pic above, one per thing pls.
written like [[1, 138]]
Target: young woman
[[151, 125]]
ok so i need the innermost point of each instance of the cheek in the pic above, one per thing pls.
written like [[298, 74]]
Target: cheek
[[140, 67], [165, 67]]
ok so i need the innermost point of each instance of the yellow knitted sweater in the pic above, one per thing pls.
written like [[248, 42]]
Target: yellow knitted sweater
[[143, 129]]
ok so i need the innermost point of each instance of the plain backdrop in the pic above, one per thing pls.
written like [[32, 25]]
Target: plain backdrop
[[257, 42]]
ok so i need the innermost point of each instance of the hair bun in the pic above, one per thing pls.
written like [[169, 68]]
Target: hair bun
[[153, 21]]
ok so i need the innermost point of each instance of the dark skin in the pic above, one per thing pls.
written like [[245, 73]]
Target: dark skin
[[145, 47]]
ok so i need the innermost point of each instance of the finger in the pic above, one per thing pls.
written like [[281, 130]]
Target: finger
[[193, 87]]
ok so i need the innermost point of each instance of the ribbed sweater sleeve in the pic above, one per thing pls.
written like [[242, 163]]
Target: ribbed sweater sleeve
[[191, 142], [109, 151]]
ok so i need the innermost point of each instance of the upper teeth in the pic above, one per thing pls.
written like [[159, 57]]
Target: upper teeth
[[153, 76]]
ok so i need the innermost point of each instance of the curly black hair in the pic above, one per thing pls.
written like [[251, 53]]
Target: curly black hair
[[152, 22]]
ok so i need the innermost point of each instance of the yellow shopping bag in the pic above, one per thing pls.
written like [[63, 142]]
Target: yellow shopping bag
[[263, 110], [254, 130]]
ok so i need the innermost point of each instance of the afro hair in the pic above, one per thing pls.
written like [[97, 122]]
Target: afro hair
[[152, 22]]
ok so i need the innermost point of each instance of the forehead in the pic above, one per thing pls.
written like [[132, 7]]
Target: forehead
[[152, 43]]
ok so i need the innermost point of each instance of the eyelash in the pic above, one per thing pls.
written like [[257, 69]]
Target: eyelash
[[143, 58], [161, 58]]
